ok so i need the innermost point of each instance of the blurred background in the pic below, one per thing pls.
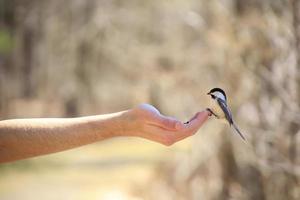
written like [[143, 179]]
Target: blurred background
[[86, 57]]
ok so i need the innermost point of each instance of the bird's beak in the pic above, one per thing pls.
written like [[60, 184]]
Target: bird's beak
[[208, 93]]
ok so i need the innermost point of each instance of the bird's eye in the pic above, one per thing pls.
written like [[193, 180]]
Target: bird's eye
[[213, 96]]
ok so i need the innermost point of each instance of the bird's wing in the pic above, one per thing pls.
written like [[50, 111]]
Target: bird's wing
[[228, 116], [226, 110]]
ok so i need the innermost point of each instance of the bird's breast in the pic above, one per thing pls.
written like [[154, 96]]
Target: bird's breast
[[216, 109]]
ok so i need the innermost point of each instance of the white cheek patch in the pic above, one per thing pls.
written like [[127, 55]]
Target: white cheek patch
[[219, 95]]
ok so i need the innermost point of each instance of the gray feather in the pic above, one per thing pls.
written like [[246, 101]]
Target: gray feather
[[225, 109], [228, 116], [239, 132]]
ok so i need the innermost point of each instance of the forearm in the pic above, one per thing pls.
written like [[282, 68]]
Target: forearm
[[24, 138]]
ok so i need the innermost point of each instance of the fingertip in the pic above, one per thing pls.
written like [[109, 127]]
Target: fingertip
[[207, 112], [201, 117], [203, 114]]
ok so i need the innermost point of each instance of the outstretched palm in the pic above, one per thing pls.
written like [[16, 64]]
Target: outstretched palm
[[151, 124]]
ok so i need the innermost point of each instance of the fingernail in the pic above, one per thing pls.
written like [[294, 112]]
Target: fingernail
[[203, 115]]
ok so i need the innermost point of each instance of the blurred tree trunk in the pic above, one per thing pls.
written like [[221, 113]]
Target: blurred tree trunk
[[26, 33], [274, 61], [7, 26]]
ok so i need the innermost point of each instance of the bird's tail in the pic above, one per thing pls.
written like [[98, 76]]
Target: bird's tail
[[239, 132]]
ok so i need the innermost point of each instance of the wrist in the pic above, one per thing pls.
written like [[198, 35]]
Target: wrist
[[125, 123], [116, 124], [103, 126]]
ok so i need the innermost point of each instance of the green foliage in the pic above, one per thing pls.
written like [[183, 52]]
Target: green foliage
[[6, 42]]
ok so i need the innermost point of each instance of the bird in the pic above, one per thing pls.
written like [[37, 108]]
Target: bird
[[219, 108]]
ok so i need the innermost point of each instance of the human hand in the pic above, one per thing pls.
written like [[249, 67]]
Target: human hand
[[24, 138], [147, 122]]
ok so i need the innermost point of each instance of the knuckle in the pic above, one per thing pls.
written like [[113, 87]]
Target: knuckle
[[167, 143], [168, 123], [165, 122], [190, 133]]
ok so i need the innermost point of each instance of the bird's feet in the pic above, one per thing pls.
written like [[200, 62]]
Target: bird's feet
[[211, 112]]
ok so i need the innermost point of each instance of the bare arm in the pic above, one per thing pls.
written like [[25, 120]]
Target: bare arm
[[24, 138]]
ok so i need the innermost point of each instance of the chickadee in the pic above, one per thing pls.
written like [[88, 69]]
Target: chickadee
[[220, 109]]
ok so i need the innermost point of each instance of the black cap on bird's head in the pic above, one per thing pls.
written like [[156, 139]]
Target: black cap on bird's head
[[217, 90]]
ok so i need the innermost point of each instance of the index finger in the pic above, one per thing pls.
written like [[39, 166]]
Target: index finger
[[197, 121], [192, 127]]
